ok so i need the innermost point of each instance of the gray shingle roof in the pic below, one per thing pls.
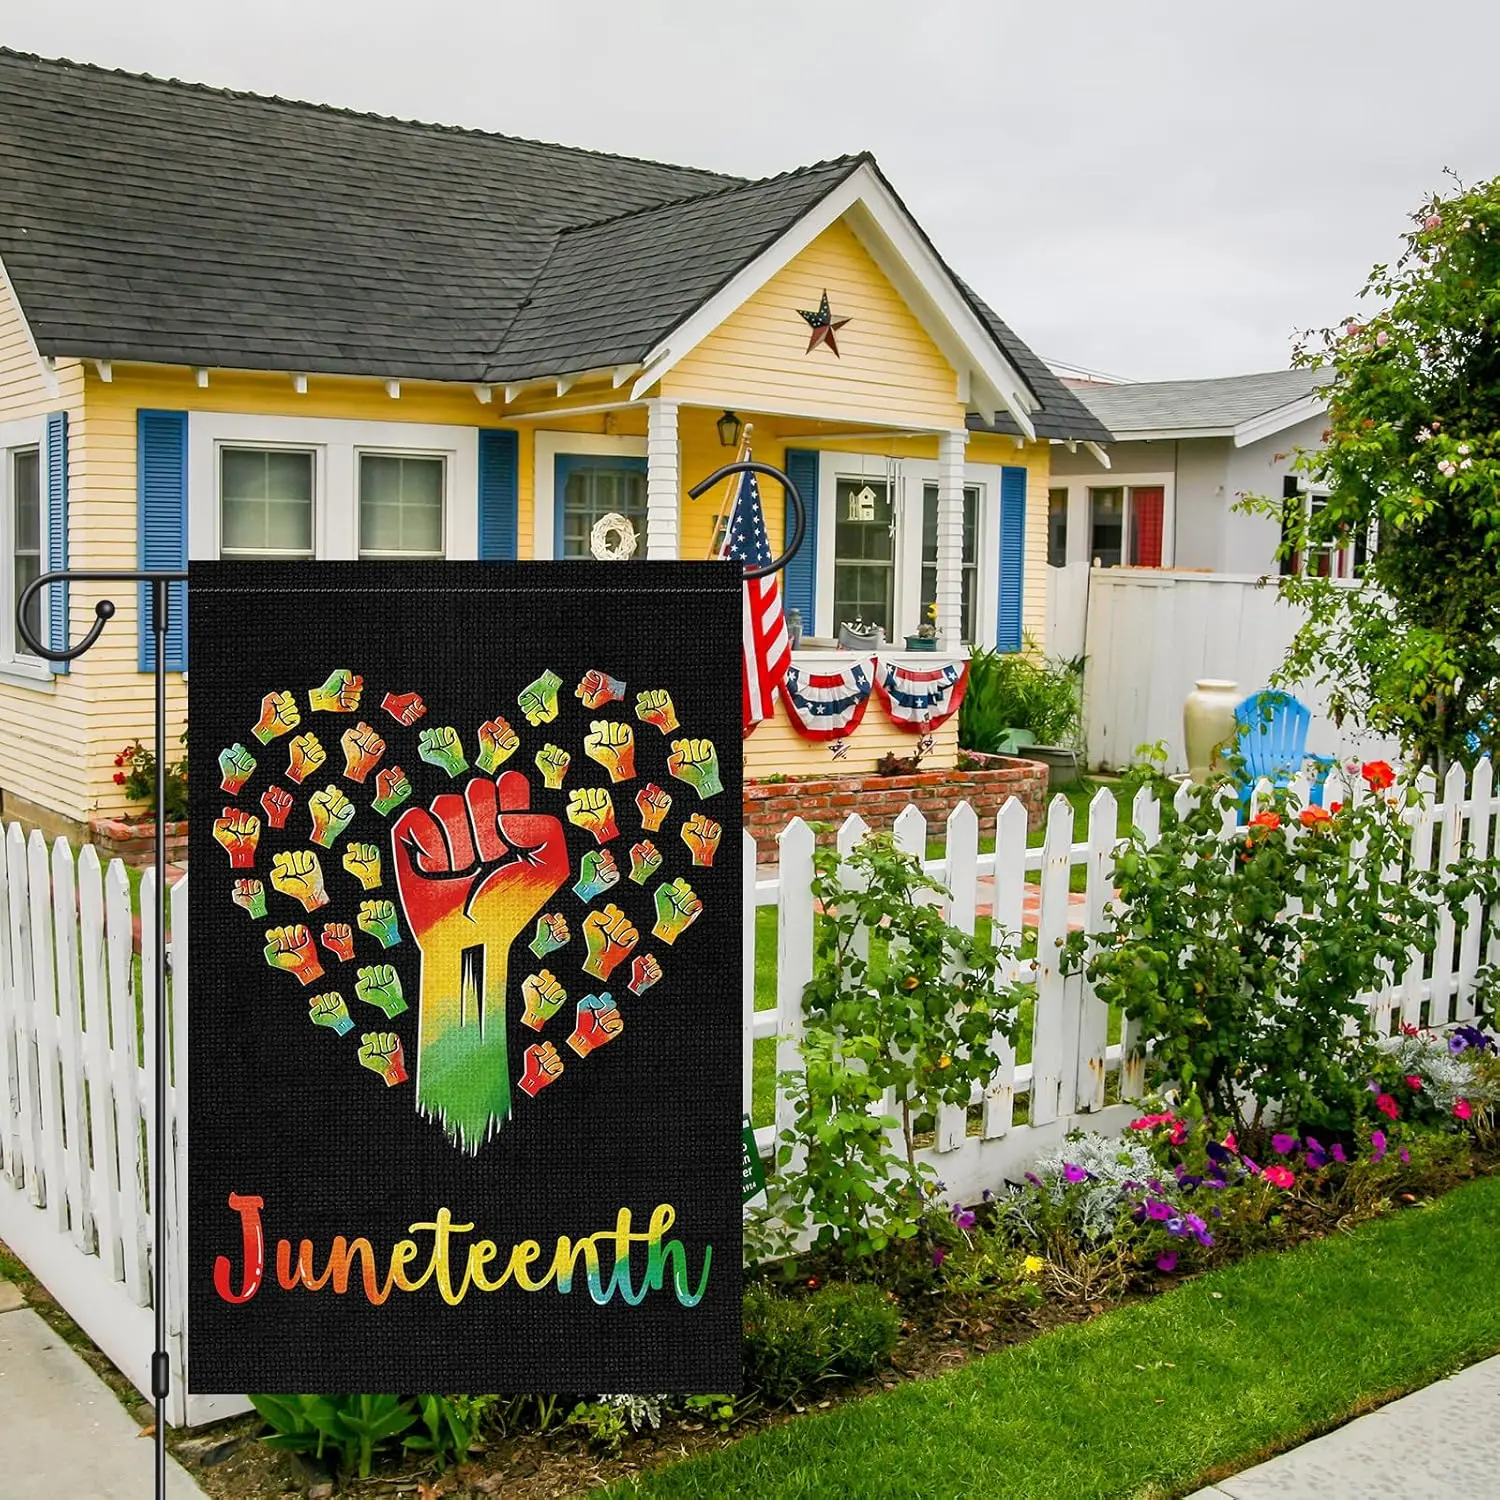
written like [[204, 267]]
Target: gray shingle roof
[[149, 219], [1179, 405]]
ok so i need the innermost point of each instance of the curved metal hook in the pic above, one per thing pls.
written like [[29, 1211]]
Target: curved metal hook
[[104, 610], [799, 523]]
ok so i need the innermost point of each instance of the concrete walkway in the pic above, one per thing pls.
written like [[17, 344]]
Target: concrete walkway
[[1441, 1443], [62, 1432]]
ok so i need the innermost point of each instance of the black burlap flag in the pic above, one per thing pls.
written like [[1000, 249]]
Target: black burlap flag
[[465, 966]]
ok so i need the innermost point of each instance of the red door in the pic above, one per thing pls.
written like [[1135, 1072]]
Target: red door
[[1147, 506]]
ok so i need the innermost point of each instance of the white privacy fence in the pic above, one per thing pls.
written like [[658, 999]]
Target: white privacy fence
[[76, 1127]]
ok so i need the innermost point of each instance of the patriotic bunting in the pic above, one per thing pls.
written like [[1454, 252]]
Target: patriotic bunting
[[919, 699], [827, 705]]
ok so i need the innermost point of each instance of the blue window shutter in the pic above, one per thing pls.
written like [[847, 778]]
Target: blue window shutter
[[799, 583], [499, 489], [161, 490], [57, 532], [1012, 558]]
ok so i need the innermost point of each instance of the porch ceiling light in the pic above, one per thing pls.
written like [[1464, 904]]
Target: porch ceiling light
[[729, 427]]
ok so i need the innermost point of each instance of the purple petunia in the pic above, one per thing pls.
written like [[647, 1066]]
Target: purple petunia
[[1377, 1145], [1073, 1174], [938, 1257], [1167, 1261], [1175, 1225], [1337, 1151], [988, 1195], [963, 1217], [1283, 1144], [1217, 1153]]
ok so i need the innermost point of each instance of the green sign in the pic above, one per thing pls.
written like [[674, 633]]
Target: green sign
[[753, 1172]]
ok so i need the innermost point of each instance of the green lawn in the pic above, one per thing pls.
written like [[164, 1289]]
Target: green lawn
[[1147, 1400]]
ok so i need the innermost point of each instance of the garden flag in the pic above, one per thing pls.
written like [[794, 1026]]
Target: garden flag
[[767, 647], [465, 1027]]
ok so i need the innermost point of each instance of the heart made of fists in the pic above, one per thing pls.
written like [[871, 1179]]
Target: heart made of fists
[[481, 855]]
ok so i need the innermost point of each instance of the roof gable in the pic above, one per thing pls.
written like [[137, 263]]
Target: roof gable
[[1205, 408]]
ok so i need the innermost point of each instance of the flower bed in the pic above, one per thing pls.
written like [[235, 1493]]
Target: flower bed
[[985, 782]]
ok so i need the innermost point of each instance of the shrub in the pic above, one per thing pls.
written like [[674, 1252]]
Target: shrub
[[839, 1331], [135, 770], [1016, 690], [1087, 1206]]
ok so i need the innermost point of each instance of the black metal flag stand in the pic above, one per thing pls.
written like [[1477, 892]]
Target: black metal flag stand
[[104, 611]]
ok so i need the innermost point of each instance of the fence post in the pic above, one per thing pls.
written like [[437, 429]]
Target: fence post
[[1093, 1016], [794, 957], [1006, 916], [1421, 859], [105, 1195], [747, 967], [127, 1081], [1145, 817], [1481, 793], [70, 1046], [1450, 837], [177, 1286], [963, 885], [1055, 1022], [11, 1118], [43, 1002]]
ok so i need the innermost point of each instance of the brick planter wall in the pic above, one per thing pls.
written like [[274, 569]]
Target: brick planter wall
[[771, 805], [135, 843]]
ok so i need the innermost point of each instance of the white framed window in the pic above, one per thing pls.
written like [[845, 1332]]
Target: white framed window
[[401, 508], [314, 487], [1128, 521], [1057, 528], [266, 501], [877, 545], [23, 527], [571, 481], [1326, 560]]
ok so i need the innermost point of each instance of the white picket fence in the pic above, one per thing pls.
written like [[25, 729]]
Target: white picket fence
[[76, 1124]]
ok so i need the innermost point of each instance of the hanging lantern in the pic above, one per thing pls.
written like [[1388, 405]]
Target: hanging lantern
[[729, 427]]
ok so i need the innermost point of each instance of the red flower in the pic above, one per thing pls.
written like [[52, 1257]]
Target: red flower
[[1230, 1144], [1413, 1081], [1266, 820], [1407, 1029], [1387, 1106], [119, 760], [1311, 817], [119, 778], [1279, 1176], [1335, 807], [1378, 774], [1463, 1109]]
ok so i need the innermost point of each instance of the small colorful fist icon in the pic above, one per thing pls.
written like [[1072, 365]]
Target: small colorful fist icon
[[297, 873], [291, 948], [362, 861], [378, 918], [329, 1010], [697, 763], [645, 861], [391, 790], [380, 985], [304, 755], [279, 715], [362, 750], [653, 804], [441, 747], [599, 688], [339, 695], [497, 743], [251, 895], [644, 972], [380, 1052], [613, 745], [277, 802], [609, 935], [543, 1066], [597, 1022], [544, 997], [404, 708], [237, 833], [235, 765], [538, 700], [592, 809], [677, 908], [551, 934], [332, 812], [553, 762], [338, 939], [655, 707], [597, 871], [701, 834]]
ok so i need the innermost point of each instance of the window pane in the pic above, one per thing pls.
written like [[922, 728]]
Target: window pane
[[1057, 528], [1107, 527], [593, 492], [864, 551], [400, 505], [26, 531], [970, 553], [266, 502]]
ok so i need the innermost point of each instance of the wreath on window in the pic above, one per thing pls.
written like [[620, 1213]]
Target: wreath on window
[[613, 538]]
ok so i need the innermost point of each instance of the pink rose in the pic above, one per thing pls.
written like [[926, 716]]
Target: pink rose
[[1463, 1109], [1431, 222]]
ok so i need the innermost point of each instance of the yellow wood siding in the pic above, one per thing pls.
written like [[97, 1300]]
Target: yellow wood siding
[[889, 370], [776, 749], [43, 726], [1036, 458]]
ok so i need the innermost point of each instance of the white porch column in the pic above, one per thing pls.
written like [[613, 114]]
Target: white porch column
[[950, 538], [663, 479]]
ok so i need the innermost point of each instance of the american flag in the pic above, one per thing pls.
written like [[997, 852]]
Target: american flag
[[767, 648]]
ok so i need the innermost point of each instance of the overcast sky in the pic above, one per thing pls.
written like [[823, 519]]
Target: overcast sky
[[1150, 188]]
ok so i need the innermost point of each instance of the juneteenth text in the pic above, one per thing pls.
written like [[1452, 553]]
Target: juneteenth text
[[479, 1262]]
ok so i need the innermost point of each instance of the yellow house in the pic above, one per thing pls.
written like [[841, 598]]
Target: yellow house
[[245, 327]]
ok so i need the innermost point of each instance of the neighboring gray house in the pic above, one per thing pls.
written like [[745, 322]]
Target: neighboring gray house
[[1184, 452]]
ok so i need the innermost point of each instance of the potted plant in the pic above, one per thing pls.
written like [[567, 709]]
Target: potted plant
[[926, 638], [1021, 703]]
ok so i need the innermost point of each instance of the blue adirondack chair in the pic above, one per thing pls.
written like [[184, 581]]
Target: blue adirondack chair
[[1272, 743]]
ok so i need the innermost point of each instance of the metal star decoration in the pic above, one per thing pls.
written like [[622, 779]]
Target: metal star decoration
[[824, 326]]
